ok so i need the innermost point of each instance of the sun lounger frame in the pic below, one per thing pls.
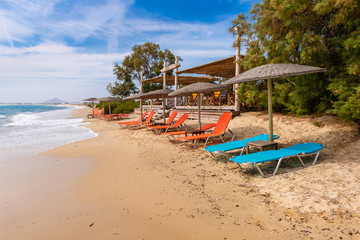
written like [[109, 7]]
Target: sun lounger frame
[[220, 132], [219, 136], [280, 160], [242, 149], [317, 153], [178, 133], [177, 125]]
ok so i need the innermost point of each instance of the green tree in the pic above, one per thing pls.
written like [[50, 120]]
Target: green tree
[[148, 57], [324, 33]]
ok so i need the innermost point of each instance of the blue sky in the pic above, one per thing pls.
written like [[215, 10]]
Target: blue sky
[[67, 49]]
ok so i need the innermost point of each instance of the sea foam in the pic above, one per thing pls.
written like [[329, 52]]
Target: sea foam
[[26, 134]]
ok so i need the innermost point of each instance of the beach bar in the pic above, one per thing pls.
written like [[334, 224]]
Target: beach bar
[[213, 104]]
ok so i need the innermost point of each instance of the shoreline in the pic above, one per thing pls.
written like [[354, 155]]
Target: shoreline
[[139, 185]]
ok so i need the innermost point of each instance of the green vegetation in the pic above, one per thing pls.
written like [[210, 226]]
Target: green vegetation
[[322, 33], [124, 107], [120, 107], [148, 57]]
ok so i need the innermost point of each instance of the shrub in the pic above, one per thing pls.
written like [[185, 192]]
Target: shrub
[[120, 107]]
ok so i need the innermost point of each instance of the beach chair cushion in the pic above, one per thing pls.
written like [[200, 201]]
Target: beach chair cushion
[[147, 120], [219, 129], [175, 125], [205, 127], [238, 144], [143, 116], [272, 155], [168, 121]]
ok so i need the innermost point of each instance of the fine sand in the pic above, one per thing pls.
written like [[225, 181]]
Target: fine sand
[[133, 184]]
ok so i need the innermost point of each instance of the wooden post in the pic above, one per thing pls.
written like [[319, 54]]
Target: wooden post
[[237, 70], [270, 110], [163, 99], [176, 79], [141, 91]]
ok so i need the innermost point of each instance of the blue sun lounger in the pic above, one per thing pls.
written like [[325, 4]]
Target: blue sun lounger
[[236, 145], [298, 150]]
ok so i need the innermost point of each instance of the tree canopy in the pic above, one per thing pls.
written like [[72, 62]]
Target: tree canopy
[[148, 57], [323, 33]]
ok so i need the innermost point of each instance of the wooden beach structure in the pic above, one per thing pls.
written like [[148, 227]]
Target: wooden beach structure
[[212, 105]]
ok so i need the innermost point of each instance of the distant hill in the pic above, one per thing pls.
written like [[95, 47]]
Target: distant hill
[[54, 101]]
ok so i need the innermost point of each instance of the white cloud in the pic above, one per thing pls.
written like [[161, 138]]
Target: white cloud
[[55, 66], [44, 56], [25, 19], [92, 20]]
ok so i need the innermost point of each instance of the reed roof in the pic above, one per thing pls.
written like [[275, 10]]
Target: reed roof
[[184, 79], [220, 68]]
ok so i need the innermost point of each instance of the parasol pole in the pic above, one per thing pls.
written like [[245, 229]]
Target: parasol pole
[[163, 99], [270, 110], [176, 79], [141, 91], [199, 108], [109, 109]]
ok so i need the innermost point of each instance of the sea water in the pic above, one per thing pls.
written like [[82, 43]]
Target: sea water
[[26, 130]]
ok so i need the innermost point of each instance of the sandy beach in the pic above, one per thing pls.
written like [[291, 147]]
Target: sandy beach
[[133, 184]]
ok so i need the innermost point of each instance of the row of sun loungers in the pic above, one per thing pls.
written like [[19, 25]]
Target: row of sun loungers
[[100, 114], [176, 129]]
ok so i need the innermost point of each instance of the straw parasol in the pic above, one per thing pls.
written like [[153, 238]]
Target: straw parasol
[[269, 72], [157, 93], [92, 102], [108, 99], [89, 99], [163, 93], [199, 88], [134, 96]]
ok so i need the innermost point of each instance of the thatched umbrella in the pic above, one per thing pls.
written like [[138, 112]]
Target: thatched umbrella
[[108, 99], [89, 99], [269, 72], [163, 93], [92, 102], [134, 96], [199, 88]]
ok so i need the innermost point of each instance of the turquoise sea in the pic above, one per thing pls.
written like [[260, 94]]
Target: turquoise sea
[[27, 130]]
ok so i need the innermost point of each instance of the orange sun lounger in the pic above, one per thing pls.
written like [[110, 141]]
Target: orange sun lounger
[[176, 125], [100, 113], [219, 131], [115, 116], [95, 113], [177, 133], [137, 121], [168, 121], [137, 125]]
